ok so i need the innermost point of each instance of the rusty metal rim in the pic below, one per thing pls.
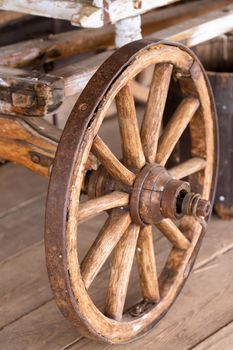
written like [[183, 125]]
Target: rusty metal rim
[[57, 200]]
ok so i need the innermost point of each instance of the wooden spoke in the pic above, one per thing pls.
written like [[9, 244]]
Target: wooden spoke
[[173, 234], [187, 168], [120, 272], [93, 207], [140, 91], [107, 239], [175, 127], [131, 143], [147, 265], [154, 110], [114, 167]]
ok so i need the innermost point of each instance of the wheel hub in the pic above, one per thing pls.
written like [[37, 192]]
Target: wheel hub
[[155, 195]]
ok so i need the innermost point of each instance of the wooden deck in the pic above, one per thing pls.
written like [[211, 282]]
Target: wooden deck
[[202, 317]]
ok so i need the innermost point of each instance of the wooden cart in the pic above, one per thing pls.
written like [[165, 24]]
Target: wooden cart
[[145, 185]]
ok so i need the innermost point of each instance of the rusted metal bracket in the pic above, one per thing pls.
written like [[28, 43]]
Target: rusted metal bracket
[[29, 93]]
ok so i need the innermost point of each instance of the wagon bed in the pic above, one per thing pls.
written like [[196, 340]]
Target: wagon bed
[[85, 13]]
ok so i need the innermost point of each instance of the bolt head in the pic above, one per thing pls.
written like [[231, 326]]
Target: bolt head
[[35, 158]]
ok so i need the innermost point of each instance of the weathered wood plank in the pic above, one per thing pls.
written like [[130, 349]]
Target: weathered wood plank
[[56, 9], [38, 331], [55, 47], [70, 80], [19, 186], [24, 285], [17, 27], [222, 339], [21, 229], [190, 32], [72, 43], [82, 12], [199, 29], [29, 94], [9, 17], [24, 281], [23, 144], [45, 327]]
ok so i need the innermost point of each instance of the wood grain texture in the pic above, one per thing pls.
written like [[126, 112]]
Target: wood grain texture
[[188, 323], [133, 155], [222, 339], [152, 119], [84, 13], [107, 239], [187, 168], [186, 31], [147, 265], [175, 127], [18, 141], [173, 234], [200, 29], [77, 75], [64, 45], [140, 91], [114, 167], [120, 273], [10, 17], [19, 226], [31, 187], [94, 207]]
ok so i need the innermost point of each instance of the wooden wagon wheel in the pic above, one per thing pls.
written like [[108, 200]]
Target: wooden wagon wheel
[[136, 192]]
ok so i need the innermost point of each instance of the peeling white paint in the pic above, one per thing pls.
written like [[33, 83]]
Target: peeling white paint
[[128, 30], [88, 14], [47, 8]]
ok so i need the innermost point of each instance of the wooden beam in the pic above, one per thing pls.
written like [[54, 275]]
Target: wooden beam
[[75, 77], [200, 29], [54, 47], [22, 144], [83, 13], [190, 32], [29, 94], [9, 17], [55, 9]]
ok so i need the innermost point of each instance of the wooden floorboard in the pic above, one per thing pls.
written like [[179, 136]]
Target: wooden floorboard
[[222, 339], [19, 229], [19, 186]]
